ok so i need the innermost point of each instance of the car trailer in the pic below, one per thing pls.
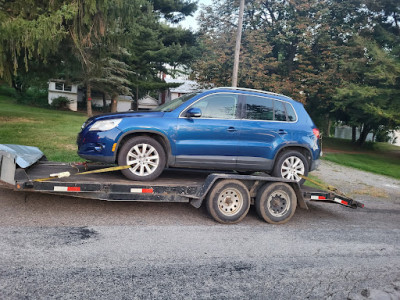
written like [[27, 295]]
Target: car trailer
[[227, 196]]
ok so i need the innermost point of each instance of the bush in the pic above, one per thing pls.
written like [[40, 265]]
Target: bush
[[34, 96], [60, 102], [7, 91]]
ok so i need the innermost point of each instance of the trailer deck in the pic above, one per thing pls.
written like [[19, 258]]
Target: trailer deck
[[228, 195]]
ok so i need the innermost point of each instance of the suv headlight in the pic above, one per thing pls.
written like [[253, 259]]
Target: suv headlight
[[105, 125]]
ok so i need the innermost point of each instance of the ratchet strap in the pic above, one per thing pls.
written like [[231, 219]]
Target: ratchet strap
[[68, 174], [323, 186]]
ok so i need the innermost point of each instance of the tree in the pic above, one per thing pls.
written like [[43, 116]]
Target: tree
[[95, 32], [370, 97], [333, 55]]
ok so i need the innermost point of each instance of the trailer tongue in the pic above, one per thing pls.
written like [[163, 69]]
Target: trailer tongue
[[228, 196]]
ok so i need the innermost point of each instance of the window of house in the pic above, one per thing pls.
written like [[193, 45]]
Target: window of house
[[67, 88], [63, 87]]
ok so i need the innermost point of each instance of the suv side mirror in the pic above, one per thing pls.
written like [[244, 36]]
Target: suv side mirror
[[194, 112]]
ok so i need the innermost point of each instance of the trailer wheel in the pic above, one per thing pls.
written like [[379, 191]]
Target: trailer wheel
[[228, 201], [276, 202], [145, 155]]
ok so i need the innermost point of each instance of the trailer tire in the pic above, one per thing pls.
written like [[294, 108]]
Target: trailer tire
[[276, 202], [146, 155], [228, 202]]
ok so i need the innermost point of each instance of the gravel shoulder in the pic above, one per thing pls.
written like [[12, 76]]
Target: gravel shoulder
[[356, 182]]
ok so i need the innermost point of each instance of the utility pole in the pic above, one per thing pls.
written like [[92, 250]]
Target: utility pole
[[237, 47]]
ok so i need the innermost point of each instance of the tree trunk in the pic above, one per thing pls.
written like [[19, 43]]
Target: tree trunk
[[353, 133], [114, 103], [136, 108], [363, 134], [104, 102], [89, 100], [327, 126]]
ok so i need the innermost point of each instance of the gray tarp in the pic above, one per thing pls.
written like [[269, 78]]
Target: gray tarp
[[24, 156]]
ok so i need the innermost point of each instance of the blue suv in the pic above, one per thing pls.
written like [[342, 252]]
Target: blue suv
[[220, 129]]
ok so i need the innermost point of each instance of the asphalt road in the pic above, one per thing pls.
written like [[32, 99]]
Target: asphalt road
[[65, 248]]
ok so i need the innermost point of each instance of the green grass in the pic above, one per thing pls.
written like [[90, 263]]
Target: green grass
[[316, 179], [378, 158], [347, 145], [54, 132]]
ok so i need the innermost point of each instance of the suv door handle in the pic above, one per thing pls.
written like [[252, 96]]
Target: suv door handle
[[281, 131], [232, 129]]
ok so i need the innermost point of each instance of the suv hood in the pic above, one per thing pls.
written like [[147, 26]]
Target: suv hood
[[127, 114], [141, 114], [109, 116]]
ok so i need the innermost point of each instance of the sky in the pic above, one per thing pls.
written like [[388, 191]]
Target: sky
[[190, 22]]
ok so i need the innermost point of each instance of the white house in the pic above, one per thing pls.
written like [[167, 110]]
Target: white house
[[186, 87], [147, 103], [58, 88], [344, 132], [124, 102]]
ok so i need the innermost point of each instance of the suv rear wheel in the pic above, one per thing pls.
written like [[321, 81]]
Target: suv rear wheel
[[290, 165], [145, 155]]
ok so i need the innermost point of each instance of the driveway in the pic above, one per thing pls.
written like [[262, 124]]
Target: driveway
[[62, 247]]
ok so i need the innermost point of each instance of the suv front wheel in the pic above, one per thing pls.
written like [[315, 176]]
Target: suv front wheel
[[145, 156], [290, 165]]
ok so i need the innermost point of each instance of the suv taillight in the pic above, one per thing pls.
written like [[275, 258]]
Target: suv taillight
[[316, 132]]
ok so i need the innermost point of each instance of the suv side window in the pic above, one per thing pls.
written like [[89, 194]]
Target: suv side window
[[259, 108], [280, 112], [290, 113], [266, 109], [218, 106]]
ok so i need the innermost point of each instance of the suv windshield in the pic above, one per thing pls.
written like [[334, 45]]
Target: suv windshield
[[171, 105]]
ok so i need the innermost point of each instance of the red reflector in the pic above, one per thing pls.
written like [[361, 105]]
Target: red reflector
[[73, 189], [147, 191], [316, 132], [344, 202], [321, 198]]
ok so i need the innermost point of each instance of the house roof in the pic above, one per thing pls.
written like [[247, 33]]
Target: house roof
[[187, 86], [148, 100]]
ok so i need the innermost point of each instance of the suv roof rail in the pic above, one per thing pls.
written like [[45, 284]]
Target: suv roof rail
[[251, 90]]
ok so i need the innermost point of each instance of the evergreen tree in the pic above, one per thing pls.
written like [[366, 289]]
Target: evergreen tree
[[94, 33]]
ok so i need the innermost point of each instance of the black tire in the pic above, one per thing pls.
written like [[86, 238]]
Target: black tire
[[228, 201], [276, 202], [150, 160], [284, 168]]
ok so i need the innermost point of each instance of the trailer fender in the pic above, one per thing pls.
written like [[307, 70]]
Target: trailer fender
[[299, 194]]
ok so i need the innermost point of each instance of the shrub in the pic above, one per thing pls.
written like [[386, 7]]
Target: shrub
[[60, 102], [34, 96], [7, 91]]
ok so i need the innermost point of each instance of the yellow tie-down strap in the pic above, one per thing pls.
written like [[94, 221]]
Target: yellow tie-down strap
[[68, 174]]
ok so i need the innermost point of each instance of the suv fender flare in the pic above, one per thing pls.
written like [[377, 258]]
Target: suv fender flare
[[165, 142], [288, 148]]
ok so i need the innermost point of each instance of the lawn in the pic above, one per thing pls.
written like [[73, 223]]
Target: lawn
[[53, 131], [378, 158]]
